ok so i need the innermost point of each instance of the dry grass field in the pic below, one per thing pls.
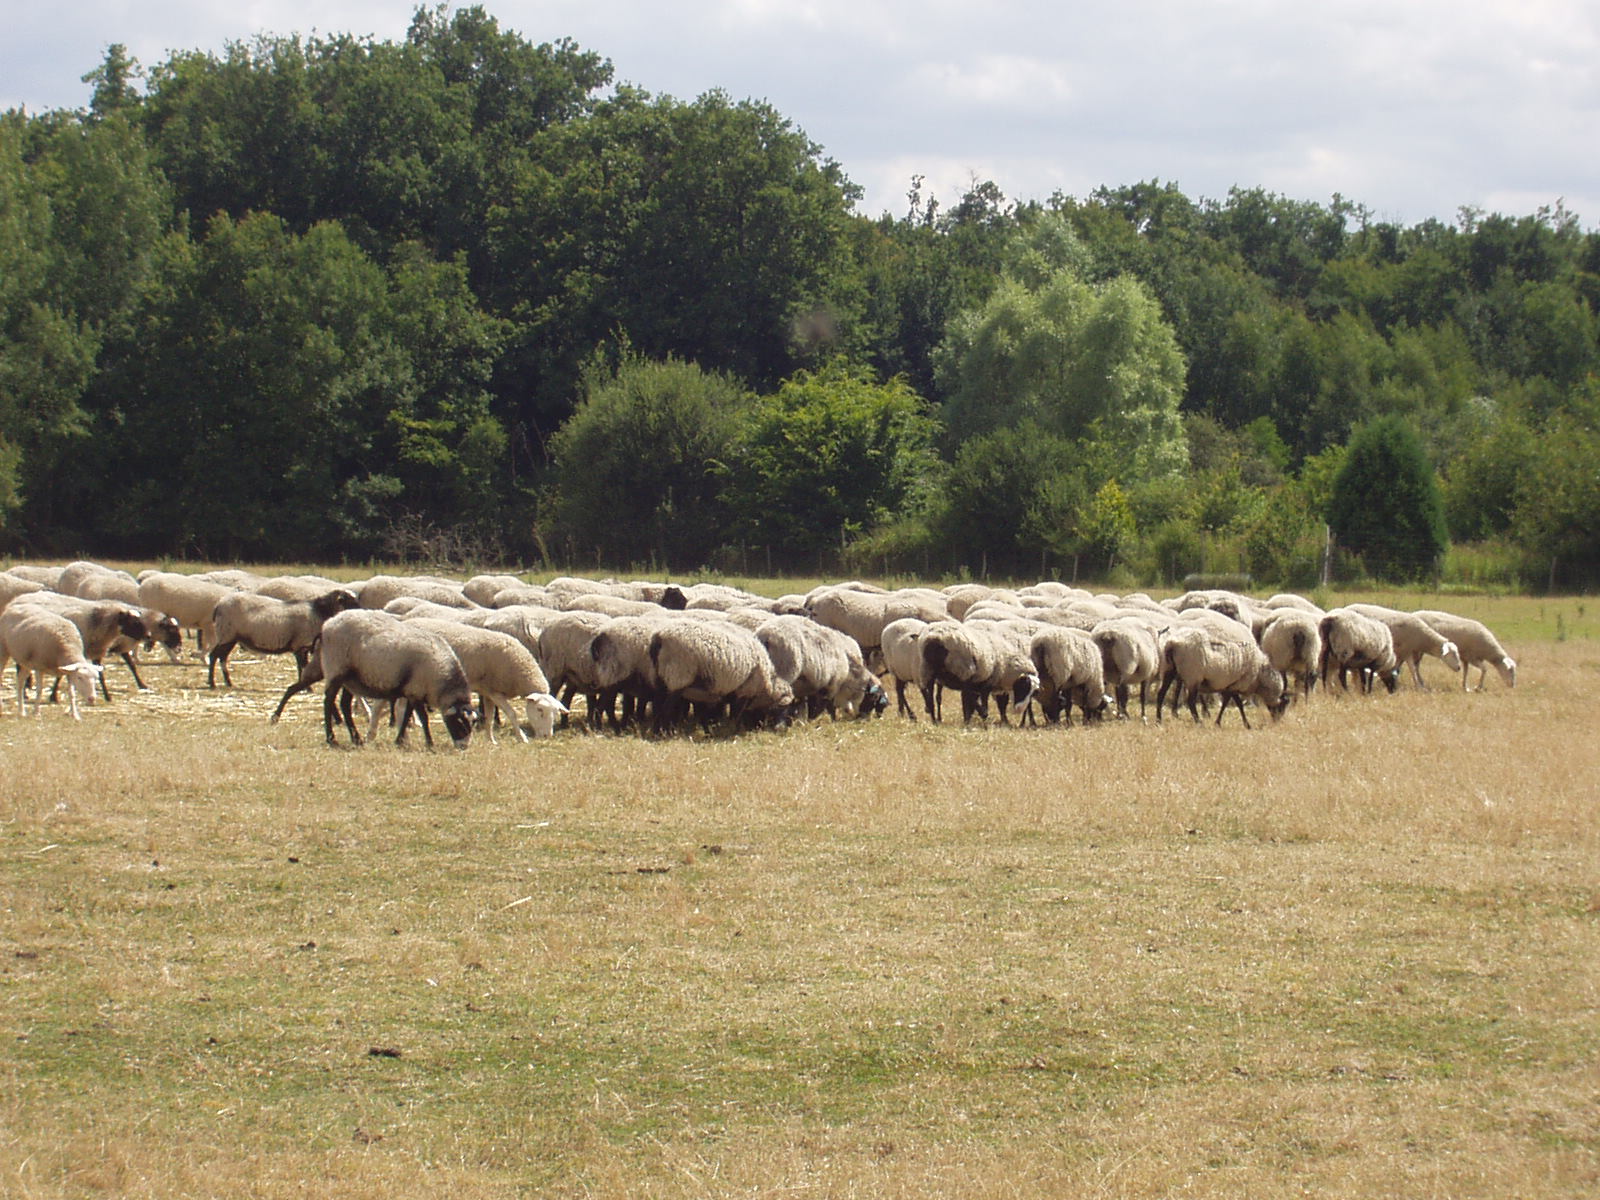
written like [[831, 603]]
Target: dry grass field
[[1355, 953]]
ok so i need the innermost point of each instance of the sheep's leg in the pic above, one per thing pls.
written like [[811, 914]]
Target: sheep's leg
[[219, 654], [346, 702], [133, 670]]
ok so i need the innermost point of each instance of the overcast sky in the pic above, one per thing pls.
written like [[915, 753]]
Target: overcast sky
[[1414, 108]]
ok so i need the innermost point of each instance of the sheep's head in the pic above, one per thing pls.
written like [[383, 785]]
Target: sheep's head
[[543, 712], [1450, 655], [459, 717], [1023, 689], [336, 601], [81, 678], [1507, 667]]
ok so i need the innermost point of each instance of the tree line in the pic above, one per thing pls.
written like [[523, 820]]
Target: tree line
[[297, 299]]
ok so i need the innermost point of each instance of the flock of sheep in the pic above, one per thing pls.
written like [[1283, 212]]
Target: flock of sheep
[[658, 657]]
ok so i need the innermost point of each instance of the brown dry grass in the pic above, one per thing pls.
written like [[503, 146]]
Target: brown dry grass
[[1354, 954]]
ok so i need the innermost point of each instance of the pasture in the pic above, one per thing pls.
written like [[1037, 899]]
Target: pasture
[[1353, 953]]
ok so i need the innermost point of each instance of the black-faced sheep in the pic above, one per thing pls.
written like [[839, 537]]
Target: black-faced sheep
[[1233, 668], [270, 626], [1071, 671], [1292, 642], [708, 664], [1352, 642], [398, 661]]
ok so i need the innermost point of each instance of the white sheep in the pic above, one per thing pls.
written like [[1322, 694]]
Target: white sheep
[[1071, 670], [101, 624], [1013, 679], [45, 643], [187, 599], [1353, 642], [1207, 662], [620, 665], [564, 653], [482, 589], [45, 577], [708, 664], [1477, 646], [1130, 654], [270, 626], [1413, 637], [501, 670], [823, 667], [956, 655], [902, 654], [380, 589], [1292, 642], [396, 660]]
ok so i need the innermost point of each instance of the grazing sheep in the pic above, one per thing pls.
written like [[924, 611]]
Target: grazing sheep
[[960, 656], [1293, 600], [270, 626], [708, 664], [621, 666], [1071, 670], [47, 577], [1352, 642], [100, 624], [399, 661], [525, 594], [357, 621], [1130, 654], [1413, 637], [1476, 645], [611, 606], [187, 599], [46, 643], [1014, 679], [501, 670], [1292, 642], [75, 576], [564, 653], [818, 664], [1233, 668], [297, 587], [902, 654]]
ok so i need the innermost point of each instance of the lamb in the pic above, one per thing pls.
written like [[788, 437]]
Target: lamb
[[1234, 668], [1071, 670], [395, 661], [187, 599], [1413, 637], [1129, 654], [1292, 642], [270, 626], [1352, 642], [709, 664], [46, 643], [501, 670], [1477, 646]]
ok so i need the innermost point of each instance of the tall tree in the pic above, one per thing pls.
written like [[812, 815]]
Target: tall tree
[[1386, 504]]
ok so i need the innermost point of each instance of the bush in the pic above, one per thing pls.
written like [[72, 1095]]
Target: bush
[[1386, 506]]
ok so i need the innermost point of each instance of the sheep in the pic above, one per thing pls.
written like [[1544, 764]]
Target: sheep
[[564, 653], [47, 577], [1293, 600], [357, 620], [501, 670], [708, 664], [116, 586], [12, 586], [621, 666], [1014, 679], [100, 624], [1071, 669], [955, 655], [818, 665], [380, 589], [611, 606], [860, 615], [46, 643], [525, 594], [1413, 637], [1352, 642], [270, 626], [1129, 654], [1292, 642], [187, 599], [1234, 668], [1477, 646], [482, 589], [397, 660], [297, 587], [75, 576], [901, 656]]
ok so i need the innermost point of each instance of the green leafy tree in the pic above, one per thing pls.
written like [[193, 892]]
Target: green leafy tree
[[1080, 361], [830, 455], [638, 468], [1386, 505], [1558, 501]]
